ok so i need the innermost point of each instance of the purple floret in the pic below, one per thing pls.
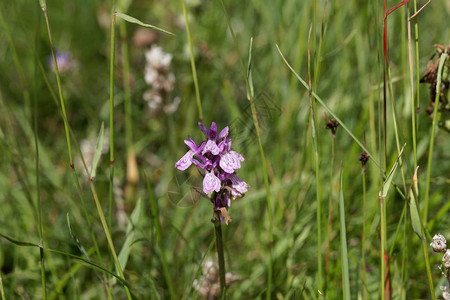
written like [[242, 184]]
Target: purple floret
[[215, 157]]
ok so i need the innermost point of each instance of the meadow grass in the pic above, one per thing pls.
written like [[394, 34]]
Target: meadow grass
[[314, 224]]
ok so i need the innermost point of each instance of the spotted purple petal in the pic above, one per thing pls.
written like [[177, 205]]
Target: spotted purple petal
[[223, 133], [230, 161], [203, 128], [212, 132], [185, 161], [191, 144], [238, 184], [238, 155], [211, 183], [211, 146]]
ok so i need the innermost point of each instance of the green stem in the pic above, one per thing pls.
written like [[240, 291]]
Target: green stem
[[383, 245], [220, 256], [416, 37], [427, 265], [111, 111], [413, 105], [108, 236], [316, 168], [433, 128], [58, 82], [363, 238], [42, 258], [194, 70], [330, 211]]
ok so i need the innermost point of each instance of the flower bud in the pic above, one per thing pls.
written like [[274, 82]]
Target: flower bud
[[439, 243], [446, 259]]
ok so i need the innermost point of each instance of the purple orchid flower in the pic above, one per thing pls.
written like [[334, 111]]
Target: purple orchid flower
[[215, 157]]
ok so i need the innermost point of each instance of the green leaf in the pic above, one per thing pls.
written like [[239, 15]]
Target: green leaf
[[387, 183], [344, 253], [250, 91], [413, 209], [18, 243], [129, 240], [138, 22], [98, 151], [75, 239]]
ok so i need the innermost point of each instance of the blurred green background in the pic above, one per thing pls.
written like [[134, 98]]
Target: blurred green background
[[346, 41]]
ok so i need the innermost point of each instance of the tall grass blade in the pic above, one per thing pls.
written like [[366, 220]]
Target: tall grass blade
[[413, 209], [344, 253], [75, 238], [387, 182], [138, 22], [131, 230], [98, 151]]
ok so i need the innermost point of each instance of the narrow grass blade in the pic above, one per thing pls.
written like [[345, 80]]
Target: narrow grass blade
[[75, 239], [344, 253], [250, 90], [98, 151], [192, 58], [91, 265], [390, 176], [129, 240], [139, 22], [17, 242], [413, 210]]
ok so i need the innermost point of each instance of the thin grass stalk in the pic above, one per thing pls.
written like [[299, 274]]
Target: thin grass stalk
[[397, 138], [363, 238], [383, 160], [344, 255], [414, 126], [427, 265], [416, 38], [132, 177], [433, 129], [193, 68], [220, 256], [383, 244], [58, 82], [403, 262], [38, 184], [316, 168], [42, 260], [330, 211], [155, 217], [250, 98], [111, 110], [108, 236]]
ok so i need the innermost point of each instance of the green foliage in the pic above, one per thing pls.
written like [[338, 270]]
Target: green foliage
[[164, 238]]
